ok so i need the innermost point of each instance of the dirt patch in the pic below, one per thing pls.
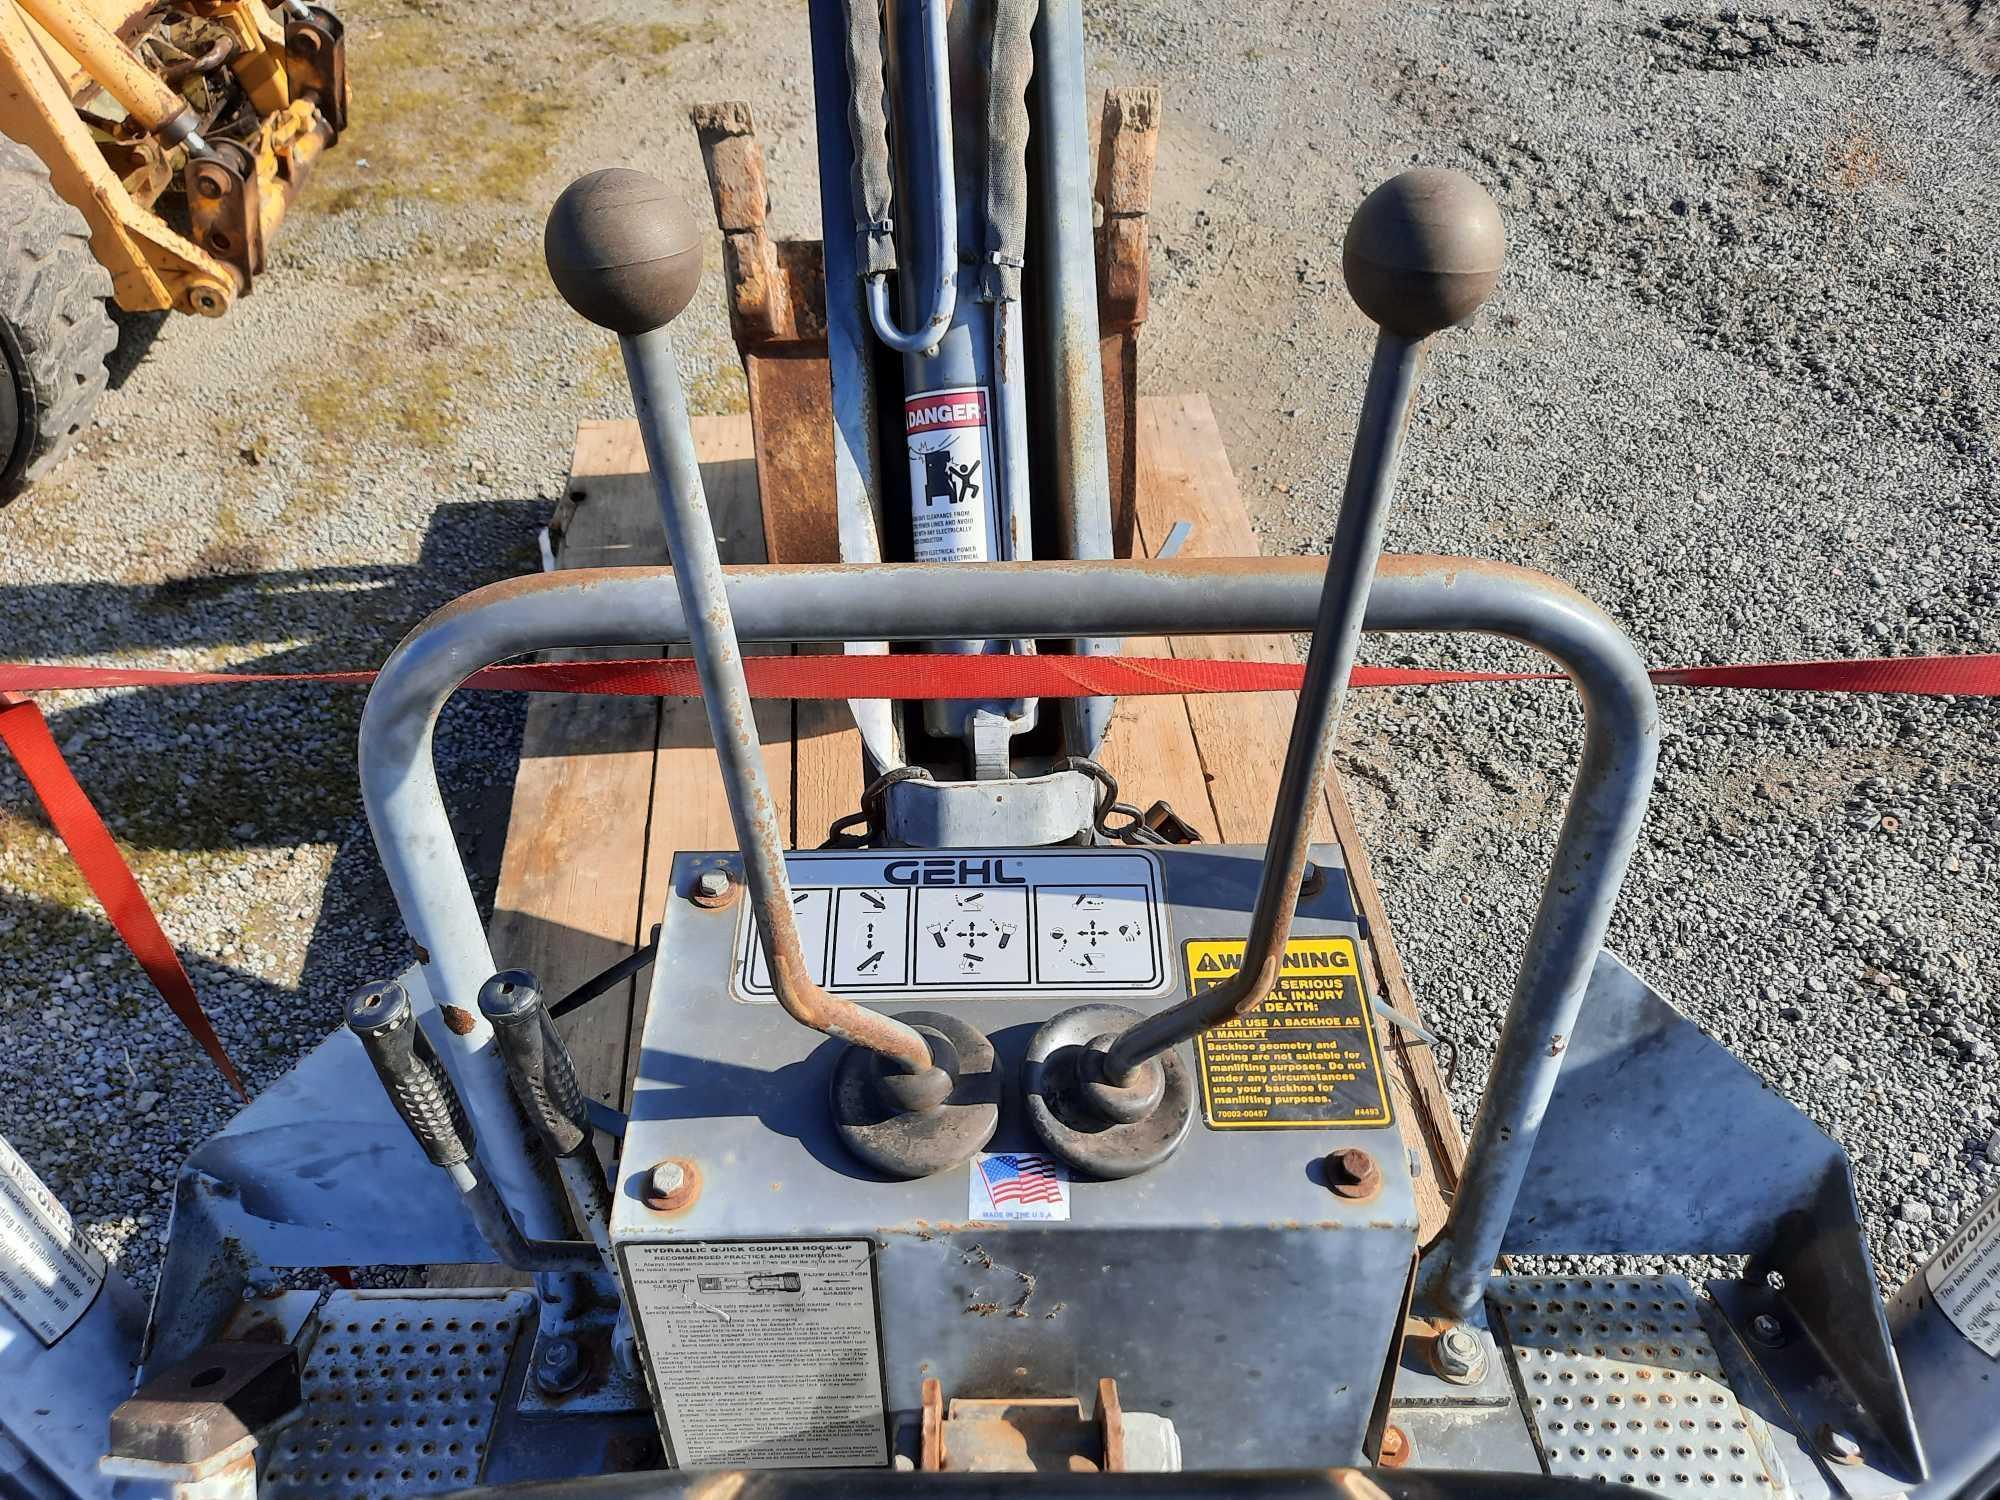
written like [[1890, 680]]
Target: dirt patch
[[1733, 41]]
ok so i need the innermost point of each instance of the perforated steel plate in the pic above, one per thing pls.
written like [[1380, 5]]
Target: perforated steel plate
[[400, 1394], [1621, 1383]]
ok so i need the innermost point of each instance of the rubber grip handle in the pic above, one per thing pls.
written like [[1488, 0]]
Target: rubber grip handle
[[537, 1059], [383, 1018]]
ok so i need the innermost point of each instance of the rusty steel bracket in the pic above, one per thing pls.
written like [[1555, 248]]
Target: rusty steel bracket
[[201, 1417], [316, 64], [1021, 1434], [1170, 825], [777, 313], [140, 162], [1127, 146], [223, 208]]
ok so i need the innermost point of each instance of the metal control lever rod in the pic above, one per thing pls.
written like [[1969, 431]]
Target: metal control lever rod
[[1423, 251], [1106, 1089], [143, 95], [1357, 542], [383, 1020], [624, 252]]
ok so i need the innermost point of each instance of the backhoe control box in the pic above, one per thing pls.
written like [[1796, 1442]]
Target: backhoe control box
[[791, 1302]]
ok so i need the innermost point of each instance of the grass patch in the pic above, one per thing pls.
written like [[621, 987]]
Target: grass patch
[[378, 387], [428, 135], [718, 392]]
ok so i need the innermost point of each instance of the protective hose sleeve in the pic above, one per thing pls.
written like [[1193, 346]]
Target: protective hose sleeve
[[382, 1017], [868, 125], [1010, 63], [538, 1063]]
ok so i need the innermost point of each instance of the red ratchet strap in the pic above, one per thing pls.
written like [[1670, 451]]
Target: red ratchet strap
[[825, 676], [934, 676], [76, 822]]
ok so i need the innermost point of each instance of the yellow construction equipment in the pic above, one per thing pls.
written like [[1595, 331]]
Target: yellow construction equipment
[[151, 150]]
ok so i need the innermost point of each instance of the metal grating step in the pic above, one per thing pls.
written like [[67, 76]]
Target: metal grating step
[[1622, 1384], [400, 1395]]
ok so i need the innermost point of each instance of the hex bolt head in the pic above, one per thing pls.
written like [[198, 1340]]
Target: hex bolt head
[[559, 1366], [1353, 1173], [1766, 1329], [668, 1178], [1837, 1446], [1459, 1356], [671, 1185], [712, 888]]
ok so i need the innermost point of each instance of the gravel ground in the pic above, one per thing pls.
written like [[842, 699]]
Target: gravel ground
[[1739, 384]]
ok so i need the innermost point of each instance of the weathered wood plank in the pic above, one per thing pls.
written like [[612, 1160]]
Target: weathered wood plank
[[827, 771], [567, 903], [1242, 735]]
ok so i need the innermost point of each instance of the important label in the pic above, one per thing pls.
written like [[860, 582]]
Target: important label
[[48, 1271], [1306, 1057], [764, 1353], [993, 921], [1965, 1278], [954, 510]]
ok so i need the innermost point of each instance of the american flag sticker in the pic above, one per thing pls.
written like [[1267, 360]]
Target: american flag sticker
[[1018, 1185]]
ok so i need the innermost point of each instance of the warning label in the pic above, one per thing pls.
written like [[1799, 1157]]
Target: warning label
[[1306, 1057], [764, 1352], [1965, 1278], [48, 1271], [954, 510]]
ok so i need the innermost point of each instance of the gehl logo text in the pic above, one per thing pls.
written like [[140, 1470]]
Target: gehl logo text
[[950, 872]]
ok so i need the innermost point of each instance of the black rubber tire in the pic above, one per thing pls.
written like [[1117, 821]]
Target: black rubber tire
[[54, 328]]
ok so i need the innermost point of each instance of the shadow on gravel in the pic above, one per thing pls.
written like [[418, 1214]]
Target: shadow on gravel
[[230, 803], [136, 333]]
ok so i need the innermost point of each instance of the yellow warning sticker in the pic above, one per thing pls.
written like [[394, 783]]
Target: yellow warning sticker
[[1306, 1058]]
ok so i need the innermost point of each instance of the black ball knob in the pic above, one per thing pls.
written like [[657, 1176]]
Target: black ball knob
[[1423, 251], [623, 250]]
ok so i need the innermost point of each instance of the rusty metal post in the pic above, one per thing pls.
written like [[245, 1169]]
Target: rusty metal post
[[775, 291], [1127, 146]]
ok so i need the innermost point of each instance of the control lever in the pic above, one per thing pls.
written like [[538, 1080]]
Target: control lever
[[1107, 1088], [543, 1078], [383, 1020], [914, 1095]]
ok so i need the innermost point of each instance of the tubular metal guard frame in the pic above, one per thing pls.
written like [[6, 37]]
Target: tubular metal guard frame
[[911, 602]]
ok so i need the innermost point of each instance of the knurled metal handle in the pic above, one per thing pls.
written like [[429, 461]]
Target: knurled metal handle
[[383, 1018], [538, 1061]]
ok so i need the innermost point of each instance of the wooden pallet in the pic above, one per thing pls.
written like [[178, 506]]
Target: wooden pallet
[[610, 788]]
